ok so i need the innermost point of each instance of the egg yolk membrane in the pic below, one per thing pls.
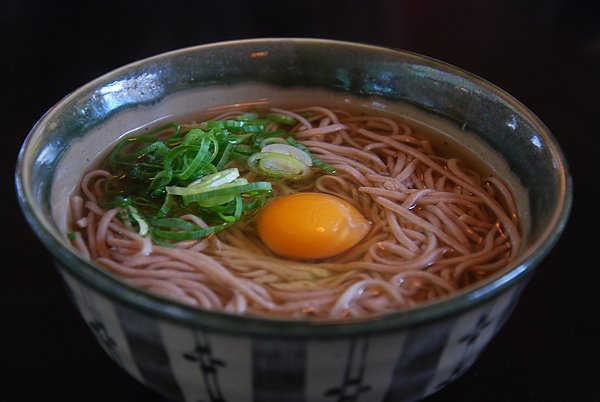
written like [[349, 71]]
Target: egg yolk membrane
[[310, 226]]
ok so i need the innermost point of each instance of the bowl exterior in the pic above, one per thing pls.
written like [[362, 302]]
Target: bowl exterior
[[195, 363]]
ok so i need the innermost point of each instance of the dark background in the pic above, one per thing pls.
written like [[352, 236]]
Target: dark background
[[545, 53]]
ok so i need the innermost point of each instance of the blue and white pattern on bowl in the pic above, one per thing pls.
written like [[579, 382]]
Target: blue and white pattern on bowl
[[200, 364]]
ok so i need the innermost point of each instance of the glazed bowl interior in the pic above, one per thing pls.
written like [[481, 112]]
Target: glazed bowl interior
[[253, 72]]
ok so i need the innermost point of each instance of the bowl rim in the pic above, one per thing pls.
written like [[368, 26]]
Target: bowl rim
[[111, 287]]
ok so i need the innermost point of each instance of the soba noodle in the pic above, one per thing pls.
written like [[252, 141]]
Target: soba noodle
[[437, 226]]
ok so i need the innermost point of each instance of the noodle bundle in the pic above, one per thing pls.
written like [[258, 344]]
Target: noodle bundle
[[436, 226]]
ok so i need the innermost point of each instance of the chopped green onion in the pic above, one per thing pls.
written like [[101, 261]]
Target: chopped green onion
[[224, 159], [260, 137], [280, 118], [316, 161], [272, 140], [142, 224], [159, 181], [202, 157], [166, 206], [278, 166], [213, 180], [186, 235], [220, 199], [225, 190], [174, 223], [287, 149]]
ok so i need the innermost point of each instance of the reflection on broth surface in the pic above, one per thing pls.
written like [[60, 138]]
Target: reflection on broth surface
[[173, 208]]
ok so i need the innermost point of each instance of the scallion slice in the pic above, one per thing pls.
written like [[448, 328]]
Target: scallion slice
[[287, 149], [278, 166], [315, 161], [231, 189]]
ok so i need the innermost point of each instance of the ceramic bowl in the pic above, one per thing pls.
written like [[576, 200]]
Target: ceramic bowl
[[188, 354]]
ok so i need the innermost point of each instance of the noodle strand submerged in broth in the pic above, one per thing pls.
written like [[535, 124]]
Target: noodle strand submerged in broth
[[436, 226]]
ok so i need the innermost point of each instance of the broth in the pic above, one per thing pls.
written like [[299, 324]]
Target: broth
[[333, 300]]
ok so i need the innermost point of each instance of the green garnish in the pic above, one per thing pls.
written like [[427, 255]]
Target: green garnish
[[141, 222], [177, 169], [278, 166], [316, 161]]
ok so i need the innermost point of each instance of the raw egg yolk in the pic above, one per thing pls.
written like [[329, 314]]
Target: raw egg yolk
[[310, 225]]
